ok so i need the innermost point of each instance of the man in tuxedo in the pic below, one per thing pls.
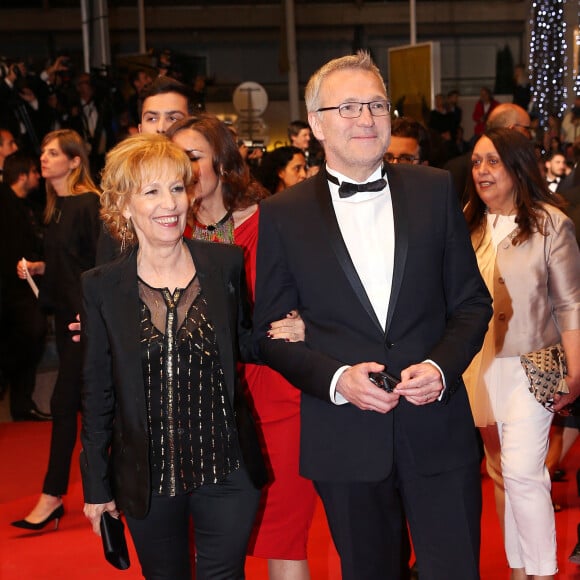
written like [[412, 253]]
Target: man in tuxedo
[[377, 259], [21, 318], [555, 165]]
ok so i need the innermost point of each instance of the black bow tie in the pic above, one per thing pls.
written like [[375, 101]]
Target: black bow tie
[[347, 189]]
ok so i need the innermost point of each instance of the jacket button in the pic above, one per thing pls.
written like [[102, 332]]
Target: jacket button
[[501, 280], [389, 344], [501, 316]]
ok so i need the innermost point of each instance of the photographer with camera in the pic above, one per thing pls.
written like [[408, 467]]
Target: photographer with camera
[[23, 108]]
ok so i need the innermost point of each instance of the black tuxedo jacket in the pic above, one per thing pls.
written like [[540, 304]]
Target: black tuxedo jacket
[[438, 309], [115, 436]]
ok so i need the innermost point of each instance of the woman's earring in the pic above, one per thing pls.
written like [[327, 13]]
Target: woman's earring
[[124, 237]]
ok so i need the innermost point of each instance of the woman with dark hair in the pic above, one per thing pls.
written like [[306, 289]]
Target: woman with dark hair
[[226, 210], [73, 225], [529, 259], [282, 168]]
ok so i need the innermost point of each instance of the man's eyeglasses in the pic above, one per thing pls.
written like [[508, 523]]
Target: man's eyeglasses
[[403, 158], [354, 110]]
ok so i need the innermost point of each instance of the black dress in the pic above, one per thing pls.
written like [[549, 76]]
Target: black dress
[[70, 249]]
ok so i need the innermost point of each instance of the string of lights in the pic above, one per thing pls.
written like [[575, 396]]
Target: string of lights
[[576, 72], [548, 59]]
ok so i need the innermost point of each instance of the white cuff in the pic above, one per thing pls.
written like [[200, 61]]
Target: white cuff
[[335, 397], [442, 377]]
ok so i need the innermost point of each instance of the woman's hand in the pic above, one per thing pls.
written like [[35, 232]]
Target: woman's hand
[[290, 329], [94, 511], [571, 344], [562, 401], [33, 268]]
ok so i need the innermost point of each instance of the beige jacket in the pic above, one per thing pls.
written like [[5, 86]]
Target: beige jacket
[[536, 287]]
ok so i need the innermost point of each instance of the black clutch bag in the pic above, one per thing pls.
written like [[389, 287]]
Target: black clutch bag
[[114, 543]]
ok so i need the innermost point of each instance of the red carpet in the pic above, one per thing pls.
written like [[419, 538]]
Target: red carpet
[[74, 552]]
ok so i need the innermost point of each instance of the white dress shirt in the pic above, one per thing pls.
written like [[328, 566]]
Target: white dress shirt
[[367, 226]]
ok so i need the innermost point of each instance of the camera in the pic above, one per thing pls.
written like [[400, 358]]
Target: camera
[[254, 145], [384, 381]]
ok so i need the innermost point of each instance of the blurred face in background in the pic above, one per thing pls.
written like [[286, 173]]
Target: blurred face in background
[[85, 88], [201, 155], [142, 81], [161, 111], [556, 167], [293, 173], [403, 150], [32, 179], [302, 140], [54, 163], [7, 145]]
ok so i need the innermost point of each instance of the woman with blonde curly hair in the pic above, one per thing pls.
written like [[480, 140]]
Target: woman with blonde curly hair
[[167, 436], [72, 218]]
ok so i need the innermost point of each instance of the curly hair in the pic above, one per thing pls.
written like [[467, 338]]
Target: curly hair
[[239, 189], [530, 189], [129, 165]]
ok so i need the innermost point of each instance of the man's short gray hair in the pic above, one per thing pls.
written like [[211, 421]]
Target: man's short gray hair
[[359, 61]]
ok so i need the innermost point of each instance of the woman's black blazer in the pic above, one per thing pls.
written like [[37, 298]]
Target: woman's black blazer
[[115, 436]]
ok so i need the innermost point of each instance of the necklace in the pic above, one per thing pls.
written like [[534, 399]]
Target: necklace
[[222, 231]]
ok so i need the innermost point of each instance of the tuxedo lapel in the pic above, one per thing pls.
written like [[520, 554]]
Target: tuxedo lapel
[[401, 219], [336, 241]]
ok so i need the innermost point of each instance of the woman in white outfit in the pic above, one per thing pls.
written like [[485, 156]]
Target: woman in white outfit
[[528, 256]]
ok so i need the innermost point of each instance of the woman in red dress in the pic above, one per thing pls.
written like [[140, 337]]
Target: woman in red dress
[[226, 210], [484, 106]]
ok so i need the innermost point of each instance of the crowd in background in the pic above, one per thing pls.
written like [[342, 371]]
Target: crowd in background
[[104, 111], [103, 107]]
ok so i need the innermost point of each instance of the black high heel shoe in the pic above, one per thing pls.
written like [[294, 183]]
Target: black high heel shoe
[[54, 515]]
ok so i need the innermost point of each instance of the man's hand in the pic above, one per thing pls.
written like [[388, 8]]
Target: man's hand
[[354, 385], [420, 384], [26, 94]]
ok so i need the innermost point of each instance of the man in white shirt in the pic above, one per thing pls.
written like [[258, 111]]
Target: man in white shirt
[[377, 259]]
